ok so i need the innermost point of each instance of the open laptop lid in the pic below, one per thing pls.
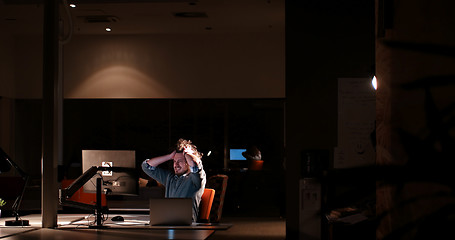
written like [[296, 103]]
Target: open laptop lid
[[171, 211]]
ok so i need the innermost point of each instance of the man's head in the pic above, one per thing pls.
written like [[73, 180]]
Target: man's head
[[180, 164], [182, 144]]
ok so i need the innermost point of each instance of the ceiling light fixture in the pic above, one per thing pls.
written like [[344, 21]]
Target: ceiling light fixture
[[108, 29], [72, 5]]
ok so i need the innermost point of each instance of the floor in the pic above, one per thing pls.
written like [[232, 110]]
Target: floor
[[243, 228], [239, 228]]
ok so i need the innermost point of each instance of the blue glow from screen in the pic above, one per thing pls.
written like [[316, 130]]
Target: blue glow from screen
[[236, 154]]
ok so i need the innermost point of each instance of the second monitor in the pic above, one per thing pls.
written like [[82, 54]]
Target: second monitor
[[114, 182]]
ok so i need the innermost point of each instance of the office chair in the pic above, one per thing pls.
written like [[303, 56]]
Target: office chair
[[206, 205], [219, 183]]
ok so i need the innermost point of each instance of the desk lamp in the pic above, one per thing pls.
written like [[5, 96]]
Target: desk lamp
[[5, 165]]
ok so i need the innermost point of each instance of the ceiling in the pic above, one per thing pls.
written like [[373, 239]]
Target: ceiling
[[149, 16]]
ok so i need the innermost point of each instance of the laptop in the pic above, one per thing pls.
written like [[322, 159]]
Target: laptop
[[171, 211]]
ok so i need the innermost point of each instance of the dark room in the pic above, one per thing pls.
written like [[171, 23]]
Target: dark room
[[247, 119]]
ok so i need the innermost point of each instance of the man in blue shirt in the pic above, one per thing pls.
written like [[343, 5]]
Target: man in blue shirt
[[188, 178]]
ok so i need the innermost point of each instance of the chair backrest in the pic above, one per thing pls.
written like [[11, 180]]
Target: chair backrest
[[219, 183], [256, 165], [206, 205]]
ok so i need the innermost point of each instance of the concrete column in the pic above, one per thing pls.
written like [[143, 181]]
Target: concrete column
[[50, 152]]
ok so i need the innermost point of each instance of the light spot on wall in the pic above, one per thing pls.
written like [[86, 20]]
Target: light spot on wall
[[119, 82]]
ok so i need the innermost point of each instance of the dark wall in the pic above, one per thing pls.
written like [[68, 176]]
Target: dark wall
[[27, 136], [325, 40], [151, 127]]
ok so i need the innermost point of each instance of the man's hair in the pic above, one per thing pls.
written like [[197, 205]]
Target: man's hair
[[182, 143]]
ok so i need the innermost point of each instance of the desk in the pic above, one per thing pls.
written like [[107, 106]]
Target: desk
[[107, 234], [134, 227], [131, 221]]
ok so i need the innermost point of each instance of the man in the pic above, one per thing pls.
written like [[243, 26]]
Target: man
[[188, 178]]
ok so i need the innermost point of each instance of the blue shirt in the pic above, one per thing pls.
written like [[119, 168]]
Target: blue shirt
[[189, 185]]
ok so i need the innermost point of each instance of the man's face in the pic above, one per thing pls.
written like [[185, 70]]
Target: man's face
[[180, 164]]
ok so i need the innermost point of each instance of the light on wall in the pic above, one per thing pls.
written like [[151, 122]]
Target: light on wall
[[374, 83]]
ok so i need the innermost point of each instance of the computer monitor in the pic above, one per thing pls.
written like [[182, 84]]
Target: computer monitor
[[236, 154], [114, 182]]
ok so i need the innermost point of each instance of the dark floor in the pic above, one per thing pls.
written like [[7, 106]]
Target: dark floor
[[264, 228]]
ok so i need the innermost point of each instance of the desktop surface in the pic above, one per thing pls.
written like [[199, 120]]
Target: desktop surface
[[75, 226]]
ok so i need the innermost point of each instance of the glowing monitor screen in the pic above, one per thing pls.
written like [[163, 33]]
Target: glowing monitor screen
[[236, 154]]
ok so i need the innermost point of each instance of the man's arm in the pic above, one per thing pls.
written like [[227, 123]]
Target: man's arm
[[198, 176], [193, 160], [149, 166], [154, 162]]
